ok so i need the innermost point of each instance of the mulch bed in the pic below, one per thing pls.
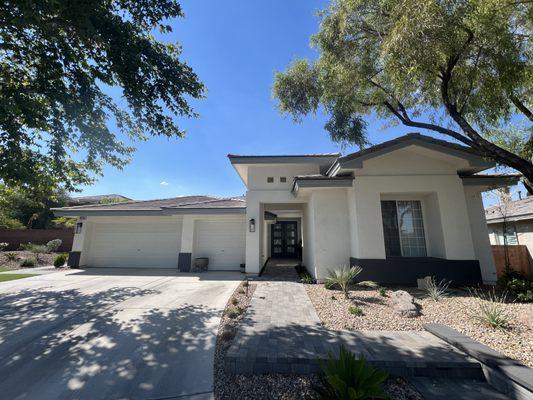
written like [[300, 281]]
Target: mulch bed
[[230, 386], [43, 260], [456, 311]]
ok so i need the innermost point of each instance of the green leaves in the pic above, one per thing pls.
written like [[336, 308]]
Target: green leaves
[[349, 378], [56, 58]]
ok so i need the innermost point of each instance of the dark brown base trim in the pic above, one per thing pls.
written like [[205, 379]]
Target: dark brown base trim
[[406, 270]]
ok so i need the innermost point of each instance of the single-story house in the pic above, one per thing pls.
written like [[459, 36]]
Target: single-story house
[[403, 209]]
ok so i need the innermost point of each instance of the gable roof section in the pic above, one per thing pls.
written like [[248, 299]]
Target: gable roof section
[[518, 210], [355, 160], [175, 205]]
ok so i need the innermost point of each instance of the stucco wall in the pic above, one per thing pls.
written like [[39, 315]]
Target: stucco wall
[[257, 175], [480, 234], [331, 233]]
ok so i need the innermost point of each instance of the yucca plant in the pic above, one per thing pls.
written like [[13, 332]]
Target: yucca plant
[[437, 290], [490, 309], [342, 277], [350, 378]]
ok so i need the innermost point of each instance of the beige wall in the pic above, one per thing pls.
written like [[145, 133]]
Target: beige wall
[[257, 175]]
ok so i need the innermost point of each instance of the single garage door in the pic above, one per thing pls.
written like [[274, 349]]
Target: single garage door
[[135, 244], [223, 242]]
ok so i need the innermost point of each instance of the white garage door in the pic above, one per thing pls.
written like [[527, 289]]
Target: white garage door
[[135, 245], [223, 242]]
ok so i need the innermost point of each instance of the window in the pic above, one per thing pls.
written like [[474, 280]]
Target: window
[[283, 179], [403, 228], [270, 179], [510, 236]]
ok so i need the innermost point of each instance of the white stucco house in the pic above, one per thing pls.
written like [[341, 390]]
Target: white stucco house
[[403, 209]]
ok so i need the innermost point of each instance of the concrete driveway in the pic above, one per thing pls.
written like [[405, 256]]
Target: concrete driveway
[[104, 333]]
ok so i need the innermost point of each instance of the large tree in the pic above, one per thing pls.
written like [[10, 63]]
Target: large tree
[[59, 60], [461, 68]]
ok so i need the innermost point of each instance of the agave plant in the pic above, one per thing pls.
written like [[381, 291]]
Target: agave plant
[[349, 378], [342, 277]]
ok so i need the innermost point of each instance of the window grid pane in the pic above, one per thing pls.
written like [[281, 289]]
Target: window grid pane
[[411, 228]]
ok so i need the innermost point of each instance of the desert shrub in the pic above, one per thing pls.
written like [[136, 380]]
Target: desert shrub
[[3, 246], [28, 262], [347, 378], [382, 292], [436, 290], [11, 256], [60, 260], [357, 311], [490, 308], [53, 245], [330, 285], [234, 301], [233, 311], [343, 276], [34, 248], [228, 333]]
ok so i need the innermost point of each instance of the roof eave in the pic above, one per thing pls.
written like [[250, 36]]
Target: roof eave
[[320, 183]]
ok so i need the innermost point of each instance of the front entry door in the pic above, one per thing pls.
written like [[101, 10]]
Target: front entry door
[[284, 238]]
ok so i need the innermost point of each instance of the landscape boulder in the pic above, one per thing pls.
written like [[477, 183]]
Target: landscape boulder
[[403, 304]]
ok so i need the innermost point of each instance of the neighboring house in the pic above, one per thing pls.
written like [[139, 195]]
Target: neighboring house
[[404, 209], [98, 199], [518, 216]]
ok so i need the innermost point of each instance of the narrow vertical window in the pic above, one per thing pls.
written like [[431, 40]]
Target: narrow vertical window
[[270, 179], [283, 179]]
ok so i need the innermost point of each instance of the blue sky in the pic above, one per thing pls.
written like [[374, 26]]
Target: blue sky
[[235, 48]]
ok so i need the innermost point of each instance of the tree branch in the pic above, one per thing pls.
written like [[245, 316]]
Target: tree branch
[[521, 106]]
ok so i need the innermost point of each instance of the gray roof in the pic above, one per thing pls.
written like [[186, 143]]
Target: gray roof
[[95, 199], [517, 210], [477, 161], [160, 206]]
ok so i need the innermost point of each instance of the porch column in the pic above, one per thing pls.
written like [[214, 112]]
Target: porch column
[[187, 243], [253, 239]]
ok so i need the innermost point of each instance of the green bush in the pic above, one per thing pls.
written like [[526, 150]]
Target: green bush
[[382, 292], [490, 309], [349, 378], [53, 245], [368, 284], [11, 256], [357, 311], [517, 285], [307, 278], [28, 262], [234, 301], [343, 276], [60, 260]]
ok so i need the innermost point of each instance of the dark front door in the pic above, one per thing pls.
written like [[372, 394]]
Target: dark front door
[[284, 239]]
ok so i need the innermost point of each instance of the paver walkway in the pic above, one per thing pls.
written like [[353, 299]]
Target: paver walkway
[[281, 333]]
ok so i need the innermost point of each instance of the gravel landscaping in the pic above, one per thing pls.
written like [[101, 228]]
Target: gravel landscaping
[[454, 310], [272, 386], [43, 259]]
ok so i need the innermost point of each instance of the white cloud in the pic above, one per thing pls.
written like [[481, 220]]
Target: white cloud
[[164, 183]]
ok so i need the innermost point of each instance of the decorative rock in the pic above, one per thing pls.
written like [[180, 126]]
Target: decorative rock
[[404, 304]]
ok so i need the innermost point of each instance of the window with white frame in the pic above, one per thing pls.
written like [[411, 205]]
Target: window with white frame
[[403, 228]]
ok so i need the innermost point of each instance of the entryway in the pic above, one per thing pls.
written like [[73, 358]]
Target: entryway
[[284, 239]]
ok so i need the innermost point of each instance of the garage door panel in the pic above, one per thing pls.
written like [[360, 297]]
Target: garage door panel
[[154, 245], [223, 242]]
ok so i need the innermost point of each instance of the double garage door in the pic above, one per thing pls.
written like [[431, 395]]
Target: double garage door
[[157, 244]]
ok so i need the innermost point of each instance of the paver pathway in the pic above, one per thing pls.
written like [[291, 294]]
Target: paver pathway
[[281, 333]]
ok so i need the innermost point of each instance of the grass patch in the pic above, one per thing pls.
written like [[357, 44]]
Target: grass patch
[[12, 277], [3, 269]]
